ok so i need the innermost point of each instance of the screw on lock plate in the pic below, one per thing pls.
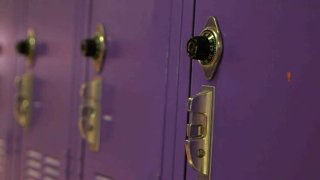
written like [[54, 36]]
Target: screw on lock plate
[[207, 47]]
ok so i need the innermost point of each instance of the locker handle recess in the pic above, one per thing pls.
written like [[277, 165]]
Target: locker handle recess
[[23, 104], [200, 132], [89, 122]]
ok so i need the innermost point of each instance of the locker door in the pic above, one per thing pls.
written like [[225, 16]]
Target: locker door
[[134, 89], [46, 146], [266, 117], [9, 23], [178, 91]]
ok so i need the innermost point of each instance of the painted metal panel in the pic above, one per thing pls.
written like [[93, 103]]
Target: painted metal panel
[[134, 89], [177, 91], [11, 15], [267, 92], [46, 147]]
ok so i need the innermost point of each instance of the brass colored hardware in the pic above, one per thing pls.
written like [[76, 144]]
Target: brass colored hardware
[[96, 47], [207, 48], [89, 123], [200, 132], [28, 46], [23, 105]]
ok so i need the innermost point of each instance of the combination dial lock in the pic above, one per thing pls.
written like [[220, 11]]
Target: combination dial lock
[[27, 47], [90, 48], [202, 47], [207, 48], [23, 47], [95, 47]]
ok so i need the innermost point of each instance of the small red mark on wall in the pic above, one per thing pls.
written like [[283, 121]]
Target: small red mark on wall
[[289, 76]]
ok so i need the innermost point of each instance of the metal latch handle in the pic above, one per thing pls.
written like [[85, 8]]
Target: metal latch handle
[[23, 101], [89, 121], [200, 132]]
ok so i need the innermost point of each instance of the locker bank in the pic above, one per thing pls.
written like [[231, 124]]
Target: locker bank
[[159, 90]]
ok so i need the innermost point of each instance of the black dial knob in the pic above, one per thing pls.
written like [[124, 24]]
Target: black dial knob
[[89, 47], [198, 48], [23, 47], [202, 47]]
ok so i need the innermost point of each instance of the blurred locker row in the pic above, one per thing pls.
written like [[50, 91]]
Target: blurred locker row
[[159, 90], [83, 89]]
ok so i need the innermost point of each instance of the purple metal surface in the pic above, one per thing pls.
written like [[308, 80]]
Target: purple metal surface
[[135, 79], [8, 24], [266, 124], [177, 92], [48, 143], [82, 22]]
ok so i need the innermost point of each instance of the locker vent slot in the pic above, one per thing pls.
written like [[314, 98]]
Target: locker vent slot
[[2, 157], [51, 168], [100, 177], [33, 165], [41, 167], [32, 173], [34, 155], [30, 179], [49, 178], [52, 161]]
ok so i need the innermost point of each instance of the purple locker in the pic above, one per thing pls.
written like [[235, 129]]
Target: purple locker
[[135, 77], [267, 92], [47, 145], [177, 91], [10, 14]]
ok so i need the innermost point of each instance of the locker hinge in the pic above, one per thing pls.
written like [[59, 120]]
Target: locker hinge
[[200, 131]]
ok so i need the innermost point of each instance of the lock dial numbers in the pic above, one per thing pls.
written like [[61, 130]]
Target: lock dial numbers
[[207, 47]]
